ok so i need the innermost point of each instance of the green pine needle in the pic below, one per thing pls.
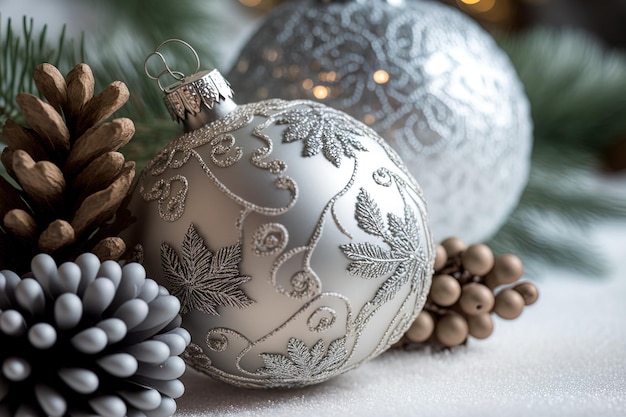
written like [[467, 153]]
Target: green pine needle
[[577, 90], [21, 52], [576, 86]]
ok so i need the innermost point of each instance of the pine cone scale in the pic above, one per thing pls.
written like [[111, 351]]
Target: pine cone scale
[[21, 224], [102, 106], [110, 248], [108, 137], [99, 173], [7, 160], [51, 84], [80, 87], [43, 181], [58, 235], [19, 137], [101, 205], [45, 120]]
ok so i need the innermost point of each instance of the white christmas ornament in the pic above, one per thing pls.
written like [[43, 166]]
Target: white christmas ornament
[[293, 235], [425, 77]]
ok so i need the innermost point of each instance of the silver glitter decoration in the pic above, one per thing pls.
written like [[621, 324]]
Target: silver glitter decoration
[[426, 77], [300, 260]]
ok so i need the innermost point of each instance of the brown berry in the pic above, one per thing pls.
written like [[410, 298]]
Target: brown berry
[[422, 328], [528, 291], [476, 299], [445, 290], [478, 259], [441, 256], [507, 269], [480, 326], [451, 329], [509, 304], [453, 246]]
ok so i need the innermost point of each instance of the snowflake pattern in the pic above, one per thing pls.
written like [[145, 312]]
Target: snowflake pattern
[[201, 279], [400, 262], [304, 364], [322, 131]]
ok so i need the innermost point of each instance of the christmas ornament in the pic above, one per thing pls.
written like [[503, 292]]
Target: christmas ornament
[[294, 236], [69, 181], [470, 284], [424, 76], [88, 338]]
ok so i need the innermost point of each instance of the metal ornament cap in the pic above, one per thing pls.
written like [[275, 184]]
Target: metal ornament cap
[[194, 100], [189, 101]]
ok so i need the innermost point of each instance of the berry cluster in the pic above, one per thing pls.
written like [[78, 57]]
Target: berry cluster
[[470, 283]]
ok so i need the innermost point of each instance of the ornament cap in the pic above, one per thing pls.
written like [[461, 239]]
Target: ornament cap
[[194, 100]]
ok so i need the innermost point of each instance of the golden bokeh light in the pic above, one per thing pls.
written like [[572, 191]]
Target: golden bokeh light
[[330, 76], [321, 92], [369, 119], [381, 77], [270, 55], [477, 6], [307, 84]]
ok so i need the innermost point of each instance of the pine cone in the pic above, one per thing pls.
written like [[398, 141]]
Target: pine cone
[[71, 179], [88, 339]]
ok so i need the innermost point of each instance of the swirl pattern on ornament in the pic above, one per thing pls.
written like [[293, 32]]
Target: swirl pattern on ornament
[[170, 207], [322, 319], [270, 239], [263, 293]]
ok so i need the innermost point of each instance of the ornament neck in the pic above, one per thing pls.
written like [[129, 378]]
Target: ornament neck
[[199, 99]]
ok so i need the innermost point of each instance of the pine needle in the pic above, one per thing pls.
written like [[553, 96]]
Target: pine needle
[[577, 90], [21, 52], [576, 86]]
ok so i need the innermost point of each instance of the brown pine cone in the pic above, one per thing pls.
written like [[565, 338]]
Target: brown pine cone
[[470, 284], [69, 182]]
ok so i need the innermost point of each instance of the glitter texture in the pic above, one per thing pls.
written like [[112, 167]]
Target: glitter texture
[[427, 78]]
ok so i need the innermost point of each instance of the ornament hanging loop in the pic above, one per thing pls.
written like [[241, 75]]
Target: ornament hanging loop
[[177, 75]]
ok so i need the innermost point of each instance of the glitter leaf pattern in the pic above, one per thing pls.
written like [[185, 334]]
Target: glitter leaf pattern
[[400, 262], [322, 131], [302, 363], [203, 280]]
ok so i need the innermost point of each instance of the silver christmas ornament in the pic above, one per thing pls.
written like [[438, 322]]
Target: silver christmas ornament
[[294, 236], [424, 76], [88, 338]]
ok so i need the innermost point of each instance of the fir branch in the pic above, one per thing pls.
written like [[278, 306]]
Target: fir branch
[[21, 52], [576, 86], [577, 90], [522, 236]]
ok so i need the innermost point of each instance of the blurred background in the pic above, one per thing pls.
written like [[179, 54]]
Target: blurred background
[[579, 154]]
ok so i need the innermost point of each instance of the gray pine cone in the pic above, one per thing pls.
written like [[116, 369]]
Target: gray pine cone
[[88, 339]]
